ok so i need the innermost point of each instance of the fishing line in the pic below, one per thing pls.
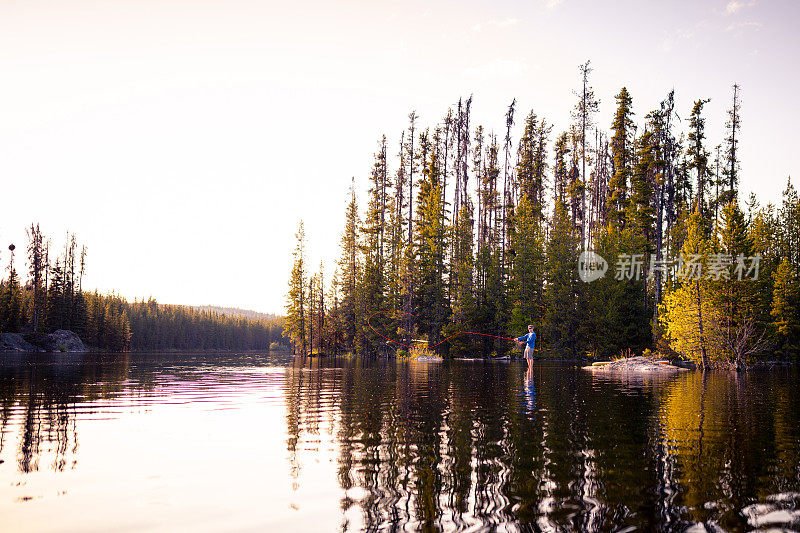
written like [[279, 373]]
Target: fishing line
[[435, 345]]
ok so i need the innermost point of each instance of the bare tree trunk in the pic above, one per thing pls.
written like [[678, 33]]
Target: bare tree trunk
[[413, 119], [311, 313]]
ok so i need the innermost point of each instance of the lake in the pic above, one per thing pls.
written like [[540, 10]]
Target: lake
[[227, 442]]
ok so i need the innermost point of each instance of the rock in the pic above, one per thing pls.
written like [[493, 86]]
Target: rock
[[635, 364], [61, 340], [428, 359], [13, 342]]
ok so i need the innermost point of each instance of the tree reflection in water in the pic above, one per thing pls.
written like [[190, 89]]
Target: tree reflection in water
[[456, 445], [485, 444], [42, 393]]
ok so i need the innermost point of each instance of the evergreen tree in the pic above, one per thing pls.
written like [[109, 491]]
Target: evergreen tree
[[561, 318], [621, 156], [583, 113], [397, 234], [738, 317], [641, 213], [786, 309], [788, 224], [373, 285], [296, 305], [431, 306], [463, 298], [56, 298], [11, 303], [528, 268], [733, 125], [531, 168], [350, 268], [36, 262], [575, 185], [698, 157], [560, 174]]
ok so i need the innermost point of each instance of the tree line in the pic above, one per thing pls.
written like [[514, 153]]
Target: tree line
[[53, 298], [472, 230]]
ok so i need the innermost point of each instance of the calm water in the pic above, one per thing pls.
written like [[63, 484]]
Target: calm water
[[259, 443]]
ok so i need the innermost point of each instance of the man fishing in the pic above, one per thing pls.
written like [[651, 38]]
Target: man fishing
[[529, 341]]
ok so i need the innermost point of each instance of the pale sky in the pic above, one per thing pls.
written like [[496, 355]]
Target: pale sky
[[183, 140]]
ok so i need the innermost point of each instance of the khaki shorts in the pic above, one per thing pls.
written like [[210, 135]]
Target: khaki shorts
[[528, 352]]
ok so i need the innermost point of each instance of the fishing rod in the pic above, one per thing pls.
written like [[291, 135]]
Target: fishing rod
[[435, 345]]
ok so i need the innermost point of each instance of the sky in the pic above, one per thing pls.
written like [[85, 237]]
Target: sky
[[183, 141]]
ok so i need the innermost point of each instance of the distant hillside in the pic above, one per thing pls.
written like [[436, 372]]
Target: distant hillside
[[235, 311]]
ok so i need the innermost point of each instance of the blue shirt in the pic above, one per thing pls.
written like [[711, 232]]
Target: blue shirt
[[530, 338]]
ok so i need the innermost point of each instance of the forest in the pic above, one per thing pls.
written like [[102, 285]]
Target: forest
[[466, 229], [53, 298]]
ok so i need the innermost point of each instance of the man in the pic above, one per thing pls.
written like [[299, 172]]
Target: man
[[529, 340]]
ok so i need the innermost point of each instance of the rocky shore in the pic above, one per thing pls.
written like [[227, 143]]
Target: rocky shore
[[61, 340]]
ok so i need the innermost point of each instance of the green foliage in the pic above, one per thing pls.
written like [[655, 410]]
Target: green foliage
[[528, 269], [698, 158], [431, 306], [155, 326], [621, 154], [561, 300], [786, 309], [10, 304], [296, 307], [425, 268]]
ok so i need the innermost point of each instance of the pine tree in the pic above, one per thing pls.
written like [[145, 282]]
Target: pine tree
[[736, 328], [575, 186], [531, 168], [11, 303], [561, 319], [36, 262], [788, 224], [431, 306], [56, 298], [333, 319], [397, 234], [528, 268], [786, 309], [296, 306], [463, 299], [583, 113], [350, 268], [373, 285], [698, 157], [411, 155], [560, 174], [621, 155], [733, 125], [641, 213]]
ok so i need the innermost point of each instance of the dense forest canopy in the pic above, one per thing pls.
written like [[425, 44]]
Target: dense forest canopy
[[466, 228], [53, 298]]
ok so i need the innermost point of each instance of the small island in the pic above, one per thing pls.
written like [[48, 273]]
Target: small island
[[636, 364]]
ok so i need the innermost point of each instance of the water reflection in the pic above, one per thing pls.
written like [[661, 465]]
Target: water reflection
[[42, 394], [473, 445], [374, 444]]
